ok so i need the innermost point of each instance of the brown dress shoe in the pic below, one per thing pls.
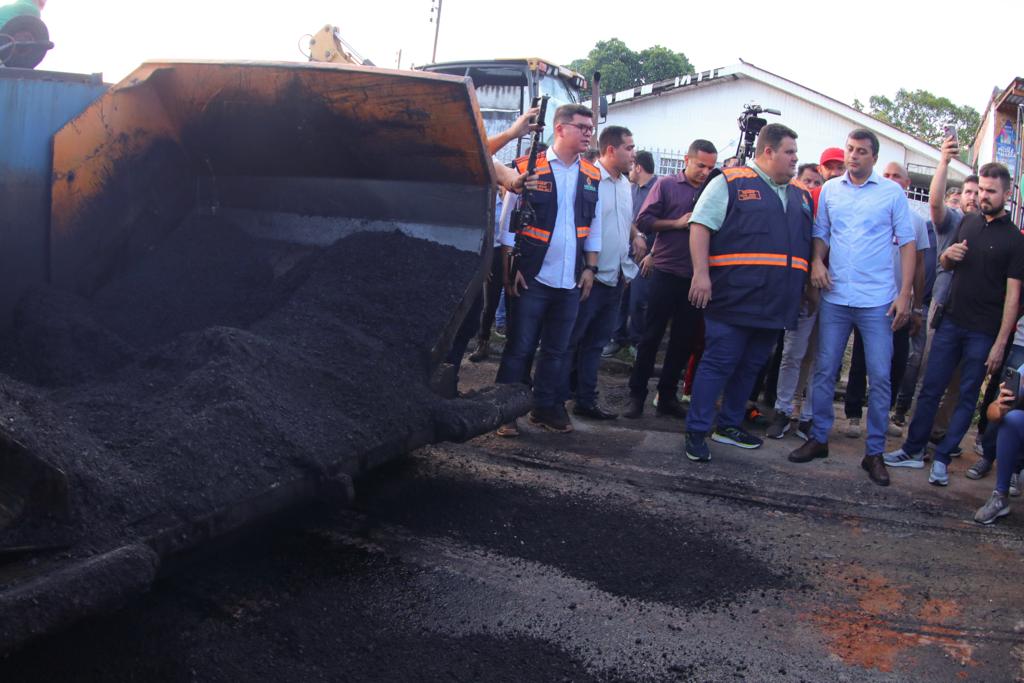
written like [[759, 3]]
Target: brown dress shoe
[[874, 465], [810, 450]]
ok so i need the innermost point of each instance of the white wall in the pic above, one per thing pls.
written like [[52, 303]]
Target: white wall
[[674, 119]]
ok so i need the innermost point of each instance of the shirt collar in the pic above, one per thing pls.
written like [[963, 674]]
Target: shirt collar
[[873, 178], [553, 159], [650, 183], [764, 176], [605, 175]]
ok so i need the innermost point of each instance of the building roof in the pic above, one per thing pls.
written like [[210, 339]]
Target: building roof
[[747, 70], [1012, 96]]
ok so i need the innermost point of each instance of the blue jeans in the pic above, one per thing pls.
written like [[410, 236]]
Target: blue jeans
[[546, 315], [733, 356], [835, 323], [1014, 360], [592, 330], [632, 309], [1009, 448], [951, 345]]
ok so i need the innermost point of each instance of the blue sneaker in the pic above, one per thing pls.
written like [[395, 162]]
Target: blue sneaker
[[939, 476], [696, 448], [900, 458]]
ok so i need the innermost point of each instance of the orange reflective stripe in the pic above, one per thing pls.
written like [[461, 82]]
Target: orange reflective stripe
[[732, 174], [588, 169], [749, 260], [800, 263], [536, 233], [583, 231]]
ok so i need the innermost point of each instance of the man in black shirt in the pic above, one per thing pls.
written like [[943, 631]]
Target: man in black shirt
[[987, 261]]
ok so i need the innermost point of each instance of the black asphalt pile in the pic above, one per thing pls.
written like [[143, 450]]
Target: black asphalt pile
[[221, 364], [607, 544], [293, 607]]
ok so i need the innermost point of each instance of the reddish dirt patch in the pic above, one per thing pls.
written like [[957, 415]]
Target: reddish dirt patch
[[878, 622]]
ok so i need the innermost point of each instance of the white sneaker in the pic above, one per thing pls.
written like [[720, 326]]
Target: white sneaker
[[853, 429], [939, 476]]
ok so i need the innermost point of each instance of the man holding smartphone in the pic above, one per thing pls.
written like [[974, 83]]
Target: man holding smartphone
[[987, 262]]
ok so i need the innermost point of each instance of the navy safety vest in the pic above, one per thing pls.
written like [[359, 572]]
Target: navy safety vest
[[532, 241], [759, 258]]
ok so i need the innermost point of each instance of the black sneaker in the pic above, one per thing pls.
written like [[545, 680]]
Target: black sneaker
[[803, 429], [779, 426], [696, 448], [734, 436]]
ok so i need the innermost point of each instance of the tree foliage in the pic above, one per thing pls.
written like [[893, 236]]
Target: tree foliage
[[925, 115], [622, 68]]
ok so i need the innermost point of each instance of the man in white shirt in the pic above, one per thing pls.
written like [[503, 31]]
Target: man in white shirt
[[599, 312]]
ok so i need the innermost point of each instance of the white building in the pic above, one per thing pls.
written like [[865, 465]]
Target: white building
[[666, 117]]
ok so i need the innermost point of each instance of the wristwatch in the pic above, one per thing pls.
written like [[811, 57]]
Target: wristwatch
[[592, 269]]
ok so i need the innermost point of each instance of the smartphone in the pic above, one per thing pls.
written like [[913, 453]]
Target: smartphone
[[950, 132], [1011, 379]]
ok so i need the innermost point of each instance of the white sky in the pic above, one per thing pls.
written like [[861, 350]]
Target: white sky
[[844, 50]]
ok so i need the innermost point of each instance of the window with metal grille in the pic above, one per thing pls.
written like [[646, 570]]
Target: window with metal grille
[[670, 165]]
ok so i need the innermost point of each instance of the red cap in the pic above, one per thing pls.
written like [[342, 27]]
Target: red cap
[[832, 154]]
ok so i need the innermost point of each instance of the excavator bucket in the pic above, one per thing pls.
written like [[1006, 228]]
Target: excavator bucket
[[303, 153], [255, 271]]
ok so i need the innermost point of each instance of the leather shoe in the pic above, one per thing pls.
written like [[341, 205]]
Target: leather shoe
[[636, 407], [810, 450], [874, 465], [594, 412], [670, 406]]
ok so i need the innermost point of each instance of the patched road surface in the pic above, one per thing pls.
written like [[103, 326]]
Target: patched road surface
[[603, 555]]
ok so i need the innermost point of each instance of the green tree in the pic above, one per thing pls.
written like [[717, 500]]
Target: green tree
[[925, 115], [622, 68]]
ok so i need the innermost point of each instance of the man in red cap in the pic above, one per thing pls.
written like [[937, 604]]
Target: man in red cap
[[798, 349]]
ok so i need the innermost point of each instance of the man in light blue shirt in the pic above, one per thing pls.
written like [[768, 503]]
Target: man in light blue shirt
[[550, 257], [860, 216]]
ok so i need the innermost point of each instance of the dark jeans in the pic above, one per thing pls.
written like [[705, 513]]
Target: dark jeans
[[768, 378], [632, 312], [1009, 448], [732, 357], [668, 300], [952, 345], [491, 296], [857, 382], [1014, 359], [592, 330], [546, 315]]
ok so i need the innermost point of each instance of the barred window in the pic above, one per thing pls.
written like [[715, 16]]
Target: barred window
[[669, 165]]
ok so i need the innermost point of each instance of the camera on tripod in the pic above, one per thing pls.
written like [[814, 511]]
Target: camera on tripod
[[751, 124]]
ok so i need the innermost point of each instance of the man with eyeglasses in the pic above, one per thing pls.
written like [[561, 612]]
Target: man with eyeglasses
[[552, 264]]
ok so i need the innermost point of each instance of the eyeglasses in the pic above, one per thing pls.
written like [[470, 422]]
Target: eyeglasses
[[583, 128]]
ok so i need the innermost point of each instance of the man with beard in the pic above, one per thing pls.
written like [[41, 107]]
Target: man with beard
[[860, 217], [987, 264]]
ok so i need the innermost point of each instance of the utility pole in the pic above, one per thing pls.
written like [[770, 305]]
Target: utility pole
[[437, 28]]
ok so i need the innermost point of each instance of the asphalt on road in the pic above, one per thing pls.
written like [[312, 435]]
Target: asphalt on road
[[601, 555]]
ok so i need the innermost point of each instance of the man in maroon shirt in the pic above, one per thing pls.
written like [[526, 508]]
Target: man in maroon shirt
[[666, 214]]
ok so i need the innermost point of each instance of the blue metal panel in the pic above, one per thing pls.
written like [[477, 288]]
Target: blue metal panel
[[33, 106]]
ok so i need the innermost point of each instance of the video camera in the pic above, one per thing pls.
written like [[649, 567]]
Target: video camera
[[750, 125]]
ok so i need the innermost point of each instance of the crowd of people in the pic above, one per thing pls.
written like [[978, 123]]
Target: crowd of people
[[759, 271]]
